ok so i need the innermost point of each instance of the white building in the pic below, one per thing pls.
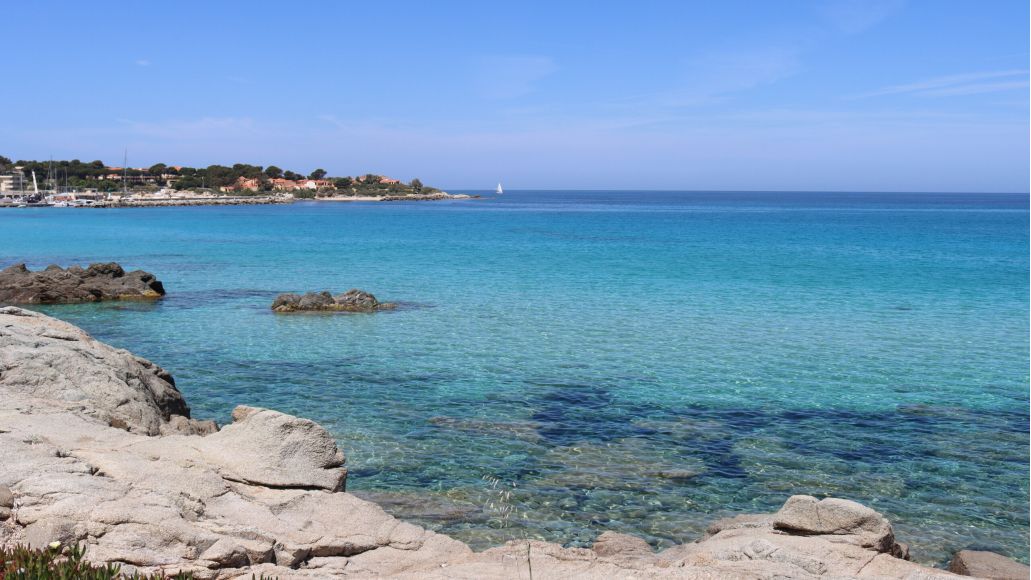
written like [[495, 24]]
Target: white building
[[12, 182]]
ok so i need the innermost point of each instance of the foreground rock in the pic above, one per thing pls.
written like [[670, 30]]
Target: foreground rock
[[54, 285], [988, 565], [97, 447], [49, 364], [353, 300]]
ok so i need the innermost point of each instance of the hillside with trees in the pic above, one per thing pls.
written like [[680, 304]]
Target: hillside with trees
[[241, 178]]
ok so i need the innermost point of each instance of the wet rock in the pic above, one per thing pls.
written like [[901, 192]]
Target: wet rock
[[286, 302], [678, 474], [988, 565], [353, 300], [623, 464], [315, 301], [53, 285], [524, 430]]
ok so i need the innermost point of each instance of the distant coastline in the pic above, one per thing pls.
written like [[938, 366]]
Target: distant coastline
[[181, 201], [95, 184]]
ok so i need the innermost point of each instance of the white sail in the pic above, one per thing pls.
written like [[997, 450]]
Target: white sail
[[500, 191]]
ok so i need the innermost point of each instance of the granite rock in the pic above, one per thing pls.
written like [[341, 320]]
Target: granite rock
[[988, 565], [49, 362], [845, 520]]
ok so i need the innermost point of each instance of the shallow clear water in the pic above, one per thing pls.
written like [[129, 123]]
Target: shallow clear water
[[570, 362]]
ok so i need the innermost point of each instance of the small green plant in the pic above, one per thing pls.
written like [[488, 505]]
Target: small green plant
[[51, 563], [68, 563]]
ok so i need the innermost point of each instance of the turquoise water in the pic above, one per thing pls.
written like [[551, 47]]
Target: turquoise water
[[566, 363]]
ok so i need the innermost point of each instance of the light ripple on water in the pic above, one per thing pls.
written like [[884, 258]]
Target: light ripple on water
[[647, 368]]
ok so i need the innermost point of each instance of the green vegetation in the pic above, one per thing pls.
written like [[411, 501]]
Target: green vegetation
[[68, 563], [97, 175]]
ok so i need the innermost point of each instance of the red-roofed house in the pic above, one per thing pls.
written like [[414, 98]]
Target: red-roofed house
[[243, 183]]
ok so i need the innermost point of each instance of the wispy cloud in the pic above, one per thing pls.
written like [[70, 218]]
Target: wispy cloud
[[142, 62], [855, 16], [710, 78], [509, 77], [724, 72], [977, 88], [960, 84]]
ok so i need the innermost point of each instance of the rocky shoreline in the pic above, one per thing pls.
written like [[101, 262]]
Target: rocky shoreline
[[255, 200], [439, 196], [97, 447], [246, 200]]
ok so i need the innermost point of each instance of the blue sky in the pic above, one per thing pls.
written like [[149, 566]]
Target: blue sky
[[872, 95]]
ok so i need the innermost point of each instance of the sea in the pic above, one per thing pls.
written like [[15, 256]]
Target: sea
[[564, 363]]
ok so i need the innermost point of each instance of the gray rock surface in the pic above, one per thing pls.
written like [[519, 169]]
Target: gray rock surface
[[988, 565], [50, 363], [54, 285], [846, 520], [353, 300], [96, 447], [273, 449], [612, 544]]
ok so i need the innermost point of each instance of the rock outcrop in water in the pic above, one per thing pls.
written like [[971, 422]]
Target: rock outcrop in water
[[353, 300], [55, 285], [97, 447]]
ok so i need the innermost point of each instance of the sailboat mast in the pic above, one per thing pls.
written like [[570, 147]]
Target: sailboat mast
[[125, 172]]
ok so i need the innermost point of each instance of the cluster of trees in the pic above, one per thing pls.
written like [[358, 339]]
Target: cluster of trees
[[73, 173], [92, 174]]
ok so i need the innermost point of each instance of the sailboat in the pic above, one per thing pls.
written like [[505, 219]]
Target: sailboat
[[499, 190]]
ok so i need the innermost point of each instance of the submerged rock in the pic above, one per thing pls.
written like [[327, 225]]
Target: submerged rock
[[353, 300], [525, 430], [54, 285], [424, 506]]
